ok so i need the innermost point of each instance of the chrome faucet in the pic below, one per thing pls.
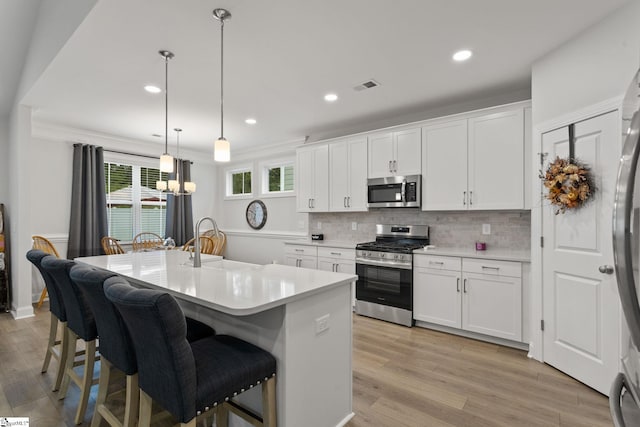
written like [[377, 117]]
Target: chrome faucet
[[196, 244]]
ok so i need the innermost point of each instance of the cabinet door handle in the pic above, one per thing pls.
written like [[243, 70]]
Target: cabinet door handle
[[464, 198], [486, 267], [390, 168], [436, 262], [464, 286], [470, 197], [299, 250], [297, 263], [458, 284], [344, 202], [309, 204], [313, 203], [336, 253], [395, 166], [335, 267], [348, 201]]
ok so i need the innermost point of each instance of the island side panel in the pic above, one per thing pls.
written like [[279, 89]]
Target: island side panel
[[318, 378]]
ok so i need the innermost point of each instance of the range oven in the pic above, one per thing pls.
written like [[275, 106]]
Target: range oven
[[384, 289]]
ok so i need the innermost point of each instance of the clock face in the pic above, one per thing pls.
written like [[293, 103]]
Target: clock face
[[256, 214]]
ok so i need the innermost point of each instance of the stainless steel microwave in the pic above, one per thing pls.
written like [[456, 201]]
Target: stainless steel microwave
[[394, 192]]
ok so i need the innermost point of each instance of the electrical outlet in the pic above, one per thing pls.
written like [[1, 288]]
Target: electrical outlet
[[486, 229], [354, 226], [319, 227], [322, 324]]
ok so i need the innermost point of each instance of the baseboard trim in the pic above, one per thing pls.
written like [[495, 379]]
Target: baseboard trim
[[473, 335], [345, 420], [22, 312]]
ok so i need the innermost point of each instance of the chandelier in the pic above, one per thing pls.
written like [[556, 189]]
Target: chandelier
[[177, 186]]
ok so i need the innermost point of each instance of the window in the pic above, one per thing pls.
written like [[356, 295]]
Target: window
[[277, 178], [239, 182], [133, 204]]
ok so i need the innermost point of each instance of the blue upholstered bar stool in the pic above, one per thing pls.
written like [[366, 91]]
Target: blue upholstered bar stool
[[55, 347], [116, 348], [81, 324], [189, 379]]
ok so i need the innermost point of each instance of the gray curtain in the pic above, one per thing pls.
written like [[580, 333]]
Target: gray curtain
[[179, 211], [88, 224]]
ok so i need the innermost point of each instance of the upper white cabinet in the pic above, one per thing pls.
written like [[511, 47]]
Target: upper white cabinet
[[496, 161], [312, 172], [395, 153], [444, 183], [348, 175], [476, 163]]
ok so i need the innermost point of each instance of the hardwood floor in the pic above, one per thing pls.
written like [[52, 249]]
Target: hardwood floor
[[401, 377]]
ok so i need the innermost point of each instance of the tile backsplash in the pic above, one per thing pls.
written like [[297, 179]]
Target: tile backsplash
[[509, 229]]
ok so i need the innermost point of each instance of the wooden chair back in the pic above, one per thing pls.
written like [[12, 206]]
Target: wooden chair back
[[111, 246], [219, 239], [207, 245], [146, 240], [43, 244]]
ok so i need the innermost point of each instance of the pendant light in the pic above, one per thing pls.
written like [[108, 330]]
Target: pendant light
[[166, 160], [222, 148], [176, 185]]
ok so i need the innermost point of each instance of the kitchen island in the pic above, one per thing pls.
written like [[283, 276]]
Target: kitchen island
[[301, 316]]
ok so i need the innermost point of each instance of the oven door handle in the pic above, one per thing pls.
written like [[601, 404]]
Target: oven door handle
[[388, 264]]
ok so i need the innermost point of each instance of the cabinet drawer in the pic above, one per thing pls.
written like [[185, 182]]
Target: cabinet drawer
[[342, 253], [300, 250], [437, 262], [496, 268]]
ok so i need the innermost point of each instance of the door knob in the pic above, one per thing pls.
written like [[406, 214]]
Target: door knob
[[605, 269]]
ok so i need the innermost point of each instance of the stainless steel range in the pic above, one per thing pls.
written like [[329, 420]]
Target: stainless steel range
[[384, 289]]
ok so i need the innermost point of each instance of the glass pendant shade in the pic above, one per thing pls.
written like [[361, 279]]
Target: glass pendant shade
[[222, 150], [166, 163], [174, 185], [161, 185], [190, 187]]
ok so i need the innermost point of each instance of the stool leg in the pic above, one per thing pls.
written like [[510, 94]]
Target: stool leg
[[53, 331], [103, 388], [72, 339], [87, 379], [222, 415], [43, 295], [64, 354], [144, 416], [132, 401], [269, 402]]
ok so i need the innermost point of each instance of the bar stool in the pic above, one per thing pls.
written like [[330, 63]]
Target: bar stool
[[55, 347], [116, 348], [80, 324], [196, 377]]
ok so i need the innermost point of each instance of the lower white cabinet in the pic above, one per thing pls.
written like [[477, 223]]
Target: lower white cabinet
[[483, 296], [301, 256]]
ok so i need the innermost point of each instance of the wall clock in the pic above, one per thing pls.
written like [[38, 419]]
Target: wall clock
[[256, 214]]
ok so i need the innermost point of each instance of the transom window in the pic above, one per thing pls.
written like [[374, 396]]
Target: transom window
[[277, 178], [133, 204], [239, 182]]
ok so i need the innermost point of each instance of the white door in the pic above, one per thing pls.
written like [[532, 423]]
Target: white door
[[580, 304], [407, 155], [357, 197], [320, 199], [338, 176], [444, 166], [437, 296], [304, 178], [380, 155]]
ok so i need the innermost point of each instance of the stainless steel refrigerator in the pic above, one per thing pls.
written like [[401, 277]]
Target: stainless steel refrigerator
[[624, 398]]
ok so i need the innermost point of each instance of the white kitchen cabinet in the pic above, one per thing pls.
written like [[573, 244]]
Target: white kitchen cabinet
[[444, 150], [301, 256], [482, 296], [312, 179], [348, 175], [395, 153], [476, 163], [496, 161]]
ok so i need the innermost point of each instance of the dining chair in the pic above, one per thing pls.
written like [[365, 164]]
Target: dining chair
[[43, 244], [207, 245], [80, 325], [56, 348], [219, 239], [146, 240], [197, 377], [111, 246]]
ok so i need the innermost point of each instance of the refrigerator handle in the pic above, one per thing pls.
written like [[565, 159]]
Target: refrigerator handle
[[614, 400], [622, 233]]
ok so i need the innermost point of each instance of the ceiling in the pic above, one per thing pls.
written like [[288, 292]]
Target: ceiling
[[283, 56]]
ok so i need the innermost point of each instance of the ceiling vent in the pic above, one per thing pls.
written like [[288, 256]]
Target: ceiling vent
[[369, 84]]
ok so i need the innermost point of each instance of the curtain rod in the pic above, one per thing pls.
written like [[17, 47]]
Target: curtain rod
[[135, 154]]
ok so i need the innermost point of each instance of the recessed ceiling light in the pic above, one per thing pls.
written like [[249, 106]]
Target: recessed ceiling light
[[251, 121], [462, 55], [331, 97], [152, 89]]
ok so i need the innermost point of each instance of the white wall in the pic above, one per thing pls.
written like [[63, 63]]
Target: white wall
[[4, 159], [283, 222], [595, 66]]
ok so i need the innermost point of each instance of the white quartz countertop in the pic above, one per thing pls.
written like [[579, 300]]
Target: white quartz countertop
[[495, 254], [231, 287], [323, 243]]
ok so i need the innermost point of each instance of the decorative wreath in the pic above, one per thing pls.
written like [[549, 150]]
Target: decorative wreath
[[569, 184]]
